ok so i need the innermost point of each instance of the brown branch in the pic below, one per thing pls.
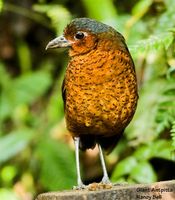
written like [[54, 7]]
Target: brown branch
[[159, 191]]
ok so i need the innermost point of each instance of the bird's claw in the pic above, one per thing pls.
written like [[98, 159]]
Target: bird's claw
[[105, 180], [79, 187], [99, 186]]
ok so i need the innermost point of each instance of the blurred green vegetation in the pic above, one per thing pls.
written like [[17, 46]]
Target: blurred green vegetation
[[36, 152]]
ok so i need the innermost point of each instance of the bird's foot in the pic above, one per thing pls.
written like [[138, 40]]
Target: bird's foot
[[105, 180], [99, 186], [79, 187]]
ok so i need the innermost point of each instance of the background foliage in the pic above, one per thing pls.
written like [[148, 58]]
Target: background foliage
[[36, 150]]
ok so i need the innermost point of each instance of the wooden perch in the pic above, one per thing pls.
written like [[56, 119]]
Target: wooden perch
[[164, 190]]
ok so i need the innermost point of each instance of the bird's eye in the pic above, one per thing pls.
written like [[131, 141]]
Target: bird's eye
[[79, 35]]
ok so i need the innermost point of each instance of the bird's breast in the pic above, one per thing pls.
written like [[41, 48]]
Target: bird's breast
[[101, 93]]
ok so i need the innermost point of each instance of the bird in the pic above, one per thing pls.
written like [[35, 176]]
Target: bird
[[99, 89]]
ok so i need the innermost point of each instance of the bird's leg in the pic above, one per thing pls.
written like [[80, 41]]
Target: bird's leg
[[105, 179], [79, 181]]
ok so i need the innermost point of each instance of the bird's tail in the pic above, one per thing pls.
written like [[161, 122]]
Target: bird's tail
[[108, 143]]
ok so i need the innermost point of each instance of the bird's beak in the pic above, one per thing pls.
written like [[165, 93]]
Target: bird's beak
[[58, 42]]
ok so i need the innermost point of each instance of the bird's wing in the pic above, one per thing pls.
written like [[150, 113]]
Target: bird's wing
[[63, 88]]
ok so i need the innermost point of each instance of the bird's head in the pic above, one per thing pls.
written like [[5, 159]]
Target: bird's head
[[83, 35]]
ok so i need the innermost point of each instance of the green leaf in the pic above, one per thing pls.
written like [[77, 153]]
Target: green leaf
[[5, 78], [24, 56], [6, 105], [162, 149], [58, 14], [1, 5], [171, 73], [163, 23], [25, 89], [143, 173], [154, 42], [159, 149], [141, 7], [55, 110], [7, 194], [143, 153], [173, 134], [5, 85], [29, 87], [106, 12], [14, 143], [142, 128], [124, 167], [57, 165], [166, 113], [8, 172]]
